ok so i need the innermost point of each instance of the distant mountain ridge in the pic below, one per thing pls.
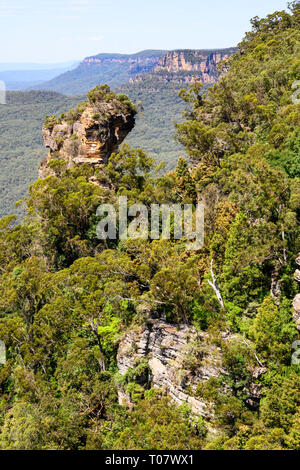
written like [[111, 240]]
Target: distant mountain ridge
[[113, 69], [181, 65], [147, 56], [24, 76]]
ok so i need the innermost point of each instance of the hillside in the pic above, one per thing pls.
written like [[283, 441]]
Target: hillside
[[116, 69], [113, 69], [188, 65], [21, 145]]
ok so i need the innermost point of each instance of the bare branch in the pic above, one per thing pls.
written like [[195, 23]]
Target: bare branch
[[252, 350], [215, 286]]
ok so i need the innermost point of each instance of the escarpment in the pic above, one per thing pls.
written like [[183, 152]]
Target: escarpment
[[91, 132], [186, 66], [180, 361]]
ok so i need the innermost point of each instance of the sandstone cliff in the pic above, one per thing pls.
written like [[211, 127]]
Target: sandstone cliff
[[92, 132], [185, 66], [141, 62], [179, 358], [113, 69]]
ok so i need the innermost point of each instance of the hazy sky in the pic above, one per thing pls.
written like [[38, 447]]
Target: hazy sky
[[62, 30]]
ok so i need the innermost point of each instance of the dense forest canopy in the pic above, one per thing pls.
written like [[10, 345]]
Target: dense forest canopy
[[66, 298], [21, 143]]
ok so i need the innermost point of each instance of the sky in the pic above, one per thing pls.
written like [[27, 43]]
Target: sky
[[53, 31]]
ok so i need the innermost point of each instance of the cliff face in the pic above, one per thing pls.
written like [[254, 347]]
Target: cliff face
[[91, 133], [141, 62], [179, 359], [185, 66]]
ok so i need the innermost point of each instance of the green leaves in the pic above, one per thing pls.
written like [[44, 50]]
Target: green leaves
[[65, 206], [274, 331]]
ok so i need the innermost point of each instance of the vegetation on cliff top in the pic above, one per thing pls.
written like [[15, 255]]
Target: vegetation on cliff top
[[99, 96], [113, 69]]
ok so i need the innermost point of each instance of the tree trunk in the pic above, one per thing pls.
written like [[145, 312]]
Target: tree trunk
[[215, 286]]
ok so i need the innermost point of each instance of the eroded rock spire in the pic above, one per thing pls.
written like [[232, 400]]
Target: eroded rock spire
[[91, 132]]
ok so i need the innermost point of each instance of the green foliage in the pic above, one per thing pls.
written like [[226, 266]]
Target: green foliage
[[102, 93], [281, 403], [185, 183], [65, 205], [252, 102], [21, 144], [155, 128], [155, 424], [129, 171], [200, 316], [274, 331]]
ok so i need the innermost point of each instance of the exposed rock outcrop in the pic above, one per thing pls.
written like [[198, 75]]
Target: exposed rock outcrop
[[179, 359], [91, 133], [165, 347], [185, 66], [113, 69], [136, 63]]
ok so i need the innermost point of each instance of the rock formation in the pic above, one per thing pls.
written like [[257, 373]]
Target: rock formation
[[92, 132], [185, 66], [136, 63], [179, 358]]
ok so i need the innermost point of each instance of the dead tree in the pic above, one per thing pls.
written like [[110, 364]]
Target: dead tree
[[214, 284]]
